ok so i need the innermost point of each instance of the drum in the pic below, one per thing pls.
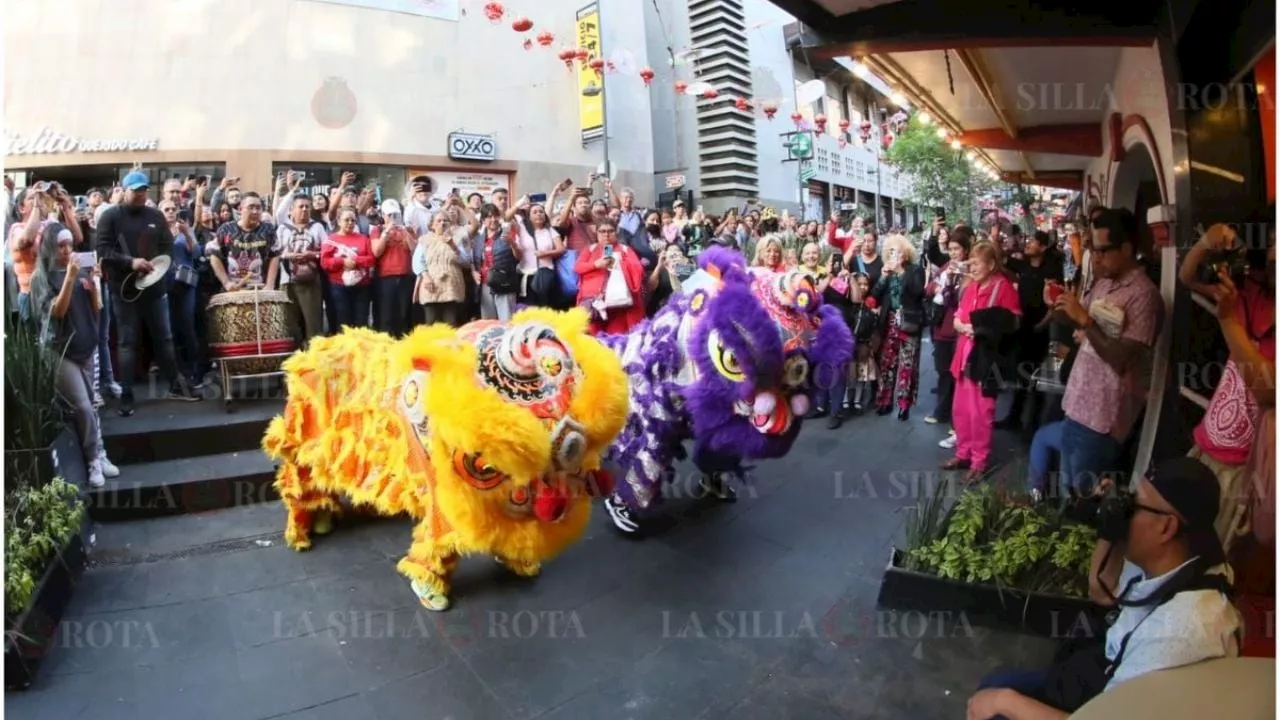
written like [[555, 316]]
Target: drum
[[245, 324]]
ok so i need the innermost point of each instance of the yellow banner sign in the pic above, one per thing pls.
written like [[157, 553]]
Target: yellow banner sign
[[590, 85]]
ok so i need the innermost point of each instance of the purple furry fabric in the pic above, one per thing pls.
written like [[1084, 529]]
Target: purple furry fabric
[[723, 384]]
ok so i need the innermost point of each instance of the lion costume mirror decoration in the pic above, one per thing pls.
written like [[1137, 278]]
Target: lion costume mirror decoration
[[489, 436], [732, 365]]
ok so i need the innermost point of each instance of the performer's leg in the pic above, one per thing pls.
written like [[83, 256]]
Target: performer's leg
[[523, 569], [716, 468], [428, 568]]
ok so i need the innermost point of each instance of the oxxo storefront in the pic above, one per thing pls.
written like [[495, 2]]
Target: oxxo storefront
[[470, 165]]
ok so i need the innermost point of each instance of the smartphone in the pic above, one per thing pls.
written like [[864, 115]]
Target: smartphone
[[191, 177], [608, 251], [837, 263], [538, 198]]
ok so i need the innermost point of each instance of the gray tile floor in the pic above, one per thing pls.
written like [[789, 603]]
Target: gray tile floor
[[762, 609]]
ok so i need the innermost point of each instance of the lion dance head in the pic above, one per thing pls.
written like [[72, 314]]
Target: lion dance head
[[491, 435]]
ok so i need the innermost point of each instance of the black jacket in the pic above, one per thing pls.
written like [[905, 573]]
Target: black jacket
[[911, 297], [993, 362], [125, 233]]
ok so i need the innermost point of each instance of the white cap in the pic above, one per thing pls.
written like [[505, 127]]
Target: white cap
[[390, 207]]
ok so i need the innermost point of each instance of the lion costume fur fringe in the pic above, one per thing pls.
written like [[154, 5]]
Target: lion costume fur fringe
[[414, 427]]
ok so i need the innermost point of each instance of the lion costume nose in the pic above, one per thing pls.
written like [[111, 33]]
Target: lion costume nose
[[550, 502], [770, 413]]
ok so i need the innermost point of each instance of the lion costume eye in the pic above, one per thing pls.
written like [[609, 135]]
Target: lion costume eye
[[473, 469], [724, 358], [796, 371]]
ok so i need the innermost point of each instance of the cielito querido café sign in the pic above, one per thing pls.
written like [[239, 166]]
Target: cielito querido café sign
[[48, 142]]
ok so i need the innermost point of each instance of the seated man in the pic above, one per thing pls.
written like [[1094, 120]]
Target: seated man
[[1172, 595]]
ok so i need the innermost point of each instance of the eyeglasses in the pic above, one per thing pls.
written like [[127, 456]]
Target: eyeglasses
[[606, 231], [168, 209]]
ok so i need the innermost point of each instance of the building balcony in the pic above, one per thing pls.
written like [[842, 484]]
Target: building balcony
[[854, 167]]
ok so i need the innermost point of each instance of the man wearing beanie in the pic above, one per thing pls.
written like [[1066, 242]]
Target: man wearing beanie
[[1162, 564]]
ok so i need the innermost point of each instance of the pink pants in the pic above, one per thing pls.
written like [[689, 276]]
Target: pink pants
[[973, 417]]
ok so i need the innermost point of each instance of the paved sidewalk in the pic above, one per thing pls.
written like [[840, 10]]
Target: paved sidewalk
[[763, 609]]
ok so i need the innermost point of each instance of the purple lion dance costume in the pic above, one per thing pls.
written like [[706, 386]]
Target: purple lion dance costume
[[730, 365]]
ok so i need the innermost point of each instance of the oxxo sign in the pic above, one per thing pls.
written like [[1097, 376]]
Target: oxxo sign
[[48, 142], [465, 146]]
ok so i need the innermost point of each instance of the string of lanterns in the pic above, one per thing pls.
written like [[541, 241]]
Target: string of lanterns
[[890, 128]]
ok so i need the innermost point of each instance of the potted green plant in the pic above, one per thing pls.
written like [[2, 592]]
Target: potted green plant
[[33, 419], [44, 558], [997, 559]]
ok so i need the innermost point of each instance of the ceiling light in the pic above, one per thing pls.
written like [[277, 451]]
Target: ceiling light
[[955, 144], [898, 99], [925, 118], [942, 132], [970, 156], [860, 70]]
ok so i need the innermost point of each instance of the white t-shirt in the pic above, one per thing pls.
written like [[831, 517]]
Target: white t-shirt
[[540, 240], [1192, 626]]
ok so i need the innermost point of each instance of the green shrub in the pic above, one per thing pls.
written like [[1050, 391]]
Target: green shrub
[[988, 539], [39, 520], [32, 416]]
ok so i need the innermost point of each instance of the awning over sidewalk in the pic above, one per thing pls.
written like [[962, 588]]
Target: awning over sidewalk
[[1026, 85]]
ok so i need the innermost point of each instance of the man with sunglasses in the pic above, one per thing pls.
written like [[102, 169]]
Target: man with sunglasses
[[1161, 563], [1116, 324]]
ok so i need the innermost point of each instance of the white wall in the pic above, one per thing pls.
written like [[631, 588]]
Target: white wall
[[129, 68], [1138, 88], [772, 78]]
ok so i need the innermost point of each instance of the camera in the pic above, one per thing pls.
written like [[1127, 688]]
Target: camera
[[1235, 261], [1108, 514]]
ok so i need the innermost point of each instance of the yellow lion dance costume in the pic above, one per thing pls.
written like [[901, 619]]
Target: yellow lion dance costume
[[490, 436]]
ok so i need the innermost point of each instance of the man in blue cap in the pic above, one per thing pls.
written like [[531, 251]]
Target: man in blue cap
[[128, 234]]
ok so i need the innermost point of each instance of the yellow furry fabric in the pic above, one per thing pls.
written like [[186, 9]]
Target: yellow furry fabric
[[427, 426]]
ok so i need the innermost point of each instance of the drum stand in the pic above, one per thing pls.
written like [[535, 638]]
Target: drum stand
[[226, 363]]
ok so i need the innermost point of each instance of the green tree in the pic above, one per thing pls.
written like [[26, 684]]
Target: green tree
[[938, 174]]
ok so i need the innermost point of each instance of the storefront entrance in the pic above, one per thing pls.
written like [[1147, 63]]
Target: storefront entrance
[[79, 179]]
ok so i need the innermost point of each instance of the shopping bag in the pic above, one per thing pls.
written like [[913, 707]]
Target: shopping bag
[[616, 292]]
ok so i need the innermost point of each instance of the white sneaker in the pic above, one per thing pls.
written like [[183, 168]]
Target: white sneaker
[[948, 443], [114, 390], [109, 468], [95, 475]]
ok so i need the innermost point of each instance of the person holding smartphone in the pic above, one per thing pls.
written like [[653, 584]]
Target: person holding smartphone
[[609, 261]]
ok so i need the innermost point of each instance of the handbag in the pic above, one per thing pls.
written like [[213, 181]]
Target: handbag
[[304, 271], [186, 275], [909, 321], [616, 292]]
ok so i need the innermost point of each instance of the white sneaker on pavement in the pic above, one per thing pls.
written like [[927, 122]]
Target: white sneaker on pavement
[[95, 475], [948, 443], [109, 468]]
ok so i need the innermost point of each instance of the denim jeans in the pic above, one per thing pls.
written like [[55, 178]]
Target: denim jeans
[[106, 375], [130, 316], [351, 305], [1046, 443], [1024, 682], [1086, 456], [182, 313], [394, 295]]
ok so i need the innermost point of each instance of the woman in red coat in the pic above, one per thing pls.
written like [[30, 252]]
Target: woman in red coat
[[594, 267]]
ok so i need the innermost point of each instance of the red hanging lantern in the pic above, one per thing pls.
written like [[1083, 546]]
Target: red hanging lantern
[[844, 125], [597, 64], [820, 122], [864, 131], [528, 44], [770, 109], [710, 94], [567, 56], [742, 104], [681, 86], [582, 55], [610, 66], [797, 118], [522, 24], [646, 74], [545, 38], [494, 11]]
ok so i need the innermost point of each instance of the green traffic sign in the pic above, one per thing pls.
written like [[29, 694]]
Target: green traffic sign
[[808, 173], [801, 146]]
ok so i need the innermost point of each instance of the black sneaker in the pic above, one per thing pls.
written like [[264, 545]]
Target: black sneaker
[[182, 394], [835, 421], [622, 516], [126, 404], [716, 485], [818, 412]]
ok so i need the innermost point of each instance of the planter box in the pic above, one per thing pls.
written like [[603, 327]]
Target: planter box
[[64, 457], [31, 635], [1054, 616]]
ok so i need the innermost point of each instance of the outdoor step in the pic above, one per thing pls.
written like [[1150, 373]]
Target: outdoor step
[[185, 485], [126, 543], [167, 430]]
